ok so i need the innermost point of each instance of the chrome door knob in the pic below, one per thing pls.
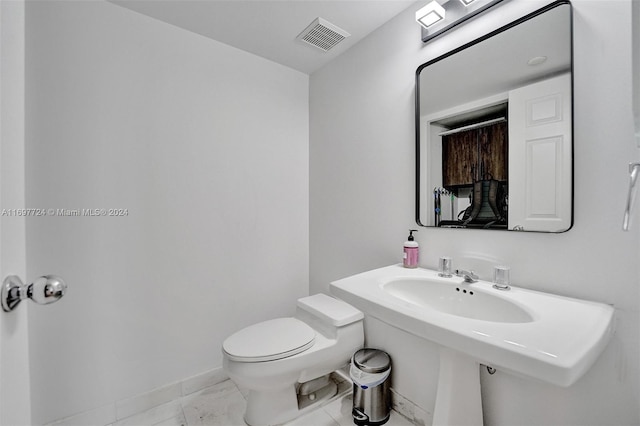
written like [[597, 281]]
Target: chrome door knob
[[44, 290], [47, 289]]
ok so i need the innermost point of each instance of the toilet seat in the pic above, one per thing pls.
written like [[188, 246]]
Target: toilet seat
[[269, 340]]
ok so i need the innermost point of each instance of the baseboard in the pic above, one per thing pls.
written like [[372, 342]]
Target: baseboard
[[124, 408], [410, 410]]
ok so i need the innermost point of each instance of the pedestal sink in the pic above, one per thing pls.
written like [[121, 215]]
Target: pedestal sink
[[538, 335]]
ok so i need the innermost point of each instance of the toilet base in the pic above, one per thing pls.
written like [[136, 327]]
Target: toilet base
[[282, 405]]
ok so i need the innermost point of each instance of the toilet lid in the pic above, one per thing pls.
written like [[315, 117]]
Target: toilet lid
[[269, 340]]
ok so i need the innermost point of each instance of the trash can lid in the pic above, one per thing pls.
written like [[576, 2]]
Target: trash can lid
[[372, 360]]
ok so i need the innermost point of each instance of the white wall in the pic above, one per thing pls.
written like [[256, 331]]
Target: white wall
[[207, 148], [361, 183]]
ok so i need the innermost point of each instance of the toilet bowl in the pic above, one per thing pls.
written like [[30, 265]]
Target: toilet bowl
[[285, 362]]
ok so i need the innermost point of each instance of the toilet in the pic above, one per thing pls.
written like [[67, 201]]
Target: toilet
[[285, 362]]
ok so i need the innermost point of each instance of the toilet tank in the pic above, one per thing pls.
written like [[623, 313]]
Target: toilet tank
[[327, 310]]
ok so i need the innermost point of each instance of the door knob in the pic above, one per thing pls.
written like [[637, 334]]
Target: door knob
[[44, 290]]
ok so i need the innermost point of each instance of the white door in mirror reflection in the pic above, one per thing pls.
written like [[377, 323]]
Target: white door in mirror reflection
[[540, 156]]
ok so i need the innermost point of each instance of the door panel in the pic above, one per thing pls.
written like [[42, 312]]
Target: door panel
[[15, 405], [540, 136]]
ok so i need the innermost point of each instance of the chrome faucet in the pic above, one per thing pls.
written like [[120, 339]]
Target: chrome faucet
[[469, 276]]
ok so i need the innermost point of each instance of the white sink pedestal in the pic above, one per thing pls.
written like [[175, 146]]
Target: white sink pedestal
[[458, 400]]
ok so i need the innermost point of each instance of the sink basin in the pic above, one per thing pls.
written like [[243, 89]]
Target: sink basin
[[459, 300], [539, 335]]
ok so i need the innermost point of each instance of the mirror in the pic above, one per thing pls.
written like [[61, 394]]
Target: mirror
[[494, 129]]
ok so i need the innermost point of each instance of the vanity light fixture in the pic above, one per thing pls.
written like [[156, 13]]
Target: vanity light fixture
[[448, 14], [430, 14]]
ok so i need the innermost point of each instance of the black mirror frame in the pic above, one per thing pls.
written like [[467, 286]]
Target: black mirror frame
[[470, 44]]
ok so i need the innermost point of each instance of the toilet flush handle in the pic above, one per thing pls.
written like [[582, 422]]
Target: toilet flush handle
[[44, 290]]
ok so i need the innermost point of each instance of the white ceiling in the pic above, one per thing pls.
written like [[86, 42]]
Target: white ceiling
[[269, 28]]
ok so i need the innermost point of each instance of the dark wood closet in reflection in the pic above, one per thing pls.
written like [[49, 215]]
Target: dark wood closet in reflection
[[475, 154]]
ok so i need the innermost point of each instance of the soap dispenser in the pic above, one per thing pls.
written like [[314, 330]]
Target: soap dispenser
[[411, 250]]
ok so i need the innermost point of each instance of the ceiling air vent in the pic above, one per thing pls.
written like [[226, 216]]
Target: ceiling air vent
[[322, 34]]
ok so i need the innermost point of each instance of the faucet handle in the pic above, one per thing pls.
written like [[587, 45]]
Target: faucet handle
[[501, 278], [444, 267]]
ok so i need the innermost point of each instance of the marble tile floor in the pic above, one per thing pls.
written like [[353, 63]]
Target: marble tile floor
[[224, 404]]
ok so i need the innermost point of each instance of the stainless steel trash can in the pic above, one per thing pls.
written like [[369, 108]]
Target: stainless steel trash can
[[370, 371]]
